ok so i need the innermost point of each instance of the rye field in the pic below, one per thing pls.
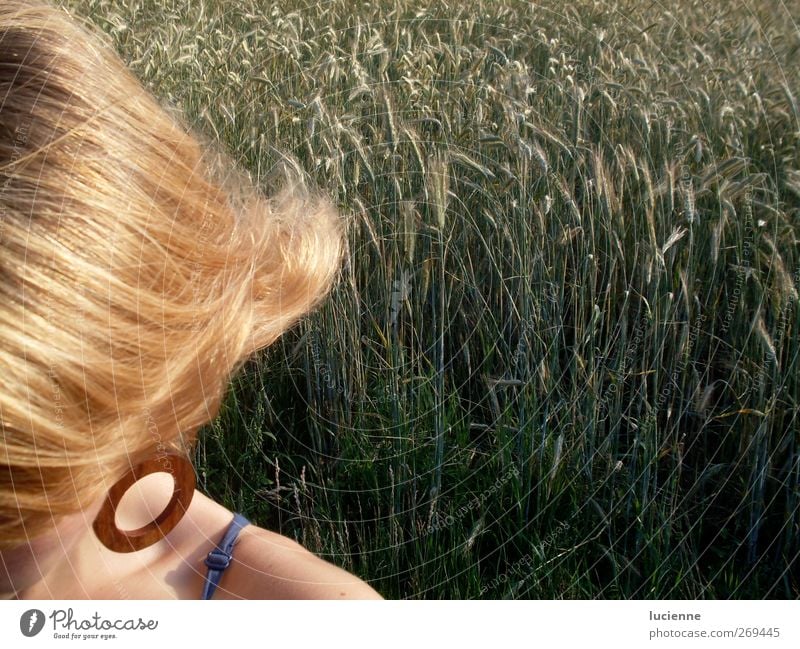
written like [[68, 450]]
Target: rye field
[[562, 357]]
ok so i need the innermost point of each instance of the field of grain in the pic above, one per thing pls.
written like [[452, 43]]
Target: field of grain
[[562, 359]]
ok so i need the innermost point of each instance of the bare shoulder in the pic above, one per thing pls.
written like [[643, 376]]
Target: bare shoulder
[[267, 565]]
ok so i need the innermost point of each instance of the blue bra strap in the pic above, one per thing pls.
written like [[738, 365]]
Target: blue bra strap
[[220, 557]]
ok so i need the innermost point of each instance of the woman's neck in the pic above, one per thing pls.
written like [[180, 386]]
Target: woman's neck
[[170, 569]]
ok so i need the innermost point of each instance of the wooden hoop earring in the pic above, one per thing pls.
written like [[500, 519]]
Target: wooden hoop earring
[[105, 526]]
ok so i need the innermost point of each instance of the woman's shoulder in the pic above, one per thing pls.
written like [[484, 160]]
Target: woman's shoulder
[[267, 565], [264, 564]]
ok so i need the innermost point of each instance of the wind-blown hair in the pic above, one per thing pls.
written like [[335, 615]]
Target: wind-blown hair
[[139, 269]]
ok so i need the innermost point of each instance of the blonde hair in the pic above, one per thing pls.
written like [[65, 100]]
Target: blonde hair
[[139, 269]]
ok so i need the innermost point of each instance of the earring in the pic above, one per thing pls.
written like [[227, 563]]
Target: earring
[[105, 526]]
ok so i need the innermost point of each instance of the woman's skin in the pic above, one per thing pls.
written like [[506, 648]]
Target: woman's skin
[[71, 563]]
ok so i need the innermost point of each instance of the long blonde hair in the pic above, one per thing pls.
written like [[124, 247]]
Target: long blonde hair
[[139, 269]]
